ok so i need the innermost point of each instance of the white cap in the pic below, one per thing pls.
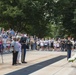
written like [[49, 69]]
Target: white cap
[[25, 35]]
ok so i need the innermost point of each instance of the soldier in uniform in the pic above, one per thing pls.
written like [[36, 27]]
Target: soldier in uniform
[[23, 43]]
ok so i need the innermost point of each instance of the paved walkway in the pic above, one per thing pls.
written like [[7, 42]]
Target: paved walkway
[[39, 63]]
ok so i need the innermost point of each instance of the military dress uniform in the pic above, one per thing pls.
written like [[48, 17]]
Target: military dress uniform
[[23, 54]]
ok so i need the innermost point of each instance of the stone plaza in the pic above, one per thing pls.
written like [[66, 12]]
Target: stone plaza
[[39, 63]]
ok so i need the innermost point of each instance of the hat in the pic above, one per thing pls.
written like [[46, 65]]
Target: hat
[[25, 35]]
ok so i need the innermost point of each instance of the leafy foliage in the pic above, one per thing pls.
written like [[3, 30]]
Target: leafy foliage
[[39, 17]]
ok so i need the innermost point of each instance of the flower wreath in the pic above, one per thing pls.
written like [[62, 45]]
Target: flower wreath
[[72, 59]]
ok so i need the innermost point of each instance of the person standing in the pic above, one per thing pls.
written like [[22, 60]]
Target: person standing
[[62, 44], [19, 52], [15, 52], [41, 44], [23, 43], [68, 47], [0, 30], [1, 47]]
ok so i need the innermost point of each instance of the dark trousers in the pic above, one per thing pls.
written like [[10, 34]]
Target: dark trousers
[[68, 54], [62, 48], [23, 55], [1, 53], [15, 54]]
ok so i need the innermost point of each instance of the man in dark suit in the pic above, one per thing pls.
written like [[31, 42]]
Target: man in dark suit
[[68, 47], [23, 43]]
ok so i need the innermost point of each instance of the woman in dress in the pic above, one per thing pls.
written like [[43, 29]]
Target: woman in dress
[[19, 51]]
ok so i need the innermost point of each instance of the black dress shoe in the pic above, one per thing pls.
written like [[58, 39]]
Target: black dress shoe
[[19, 63], [24, 62], [14, 64]]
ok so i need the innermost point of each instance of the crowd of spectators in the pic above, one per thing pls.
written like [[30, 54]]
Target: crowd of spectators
[[33, 42], [13, 41]]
